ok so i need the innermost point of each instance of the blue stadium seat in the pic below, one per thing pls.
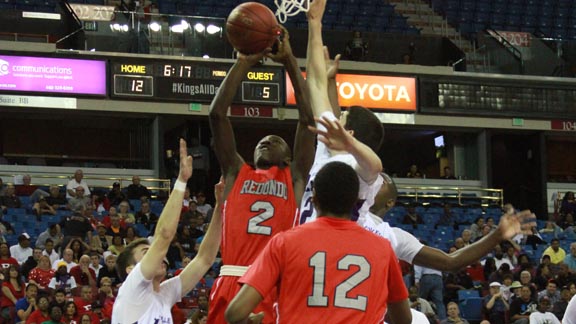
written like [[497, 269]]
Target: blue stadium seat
[[471, 309], [467, 293]]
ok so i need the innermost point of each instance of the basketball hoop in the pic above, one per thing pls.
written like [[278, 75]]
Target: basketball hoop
[[289, 8]]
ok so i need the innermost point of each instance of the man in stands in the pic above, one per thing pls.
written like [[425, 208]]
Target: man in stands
[[67, 256], [82, 273], [22, 250], [556, 253], [9, 200], [27, 304], [77, 181], [136, 190]]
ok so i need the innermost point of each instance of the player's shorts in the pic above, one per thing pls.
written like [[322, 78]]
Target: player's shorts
[[224, 290]]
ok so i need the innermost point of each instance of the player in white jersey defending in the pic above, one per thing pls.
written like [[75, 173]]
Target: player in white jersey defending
[[351, 140], [144, 297]]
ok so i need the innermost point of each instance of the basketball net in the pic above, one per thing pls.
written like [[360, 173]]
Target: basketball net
[[289, 8]]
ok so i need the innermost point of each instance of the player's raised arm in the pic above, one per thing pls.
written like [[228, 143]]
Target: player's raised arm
[[510, 225], [304, 140], [335, 137], [317, 80], [168, 221], [332, 68], [220, 125], [196, 269]]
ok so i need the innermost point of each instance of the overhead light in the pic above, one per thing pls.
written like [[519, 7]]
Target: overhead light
[[154, 26], [212, 29], [125, 28], [205, 56], [184, 24], [199, 28], [177, 29], [116, 27]]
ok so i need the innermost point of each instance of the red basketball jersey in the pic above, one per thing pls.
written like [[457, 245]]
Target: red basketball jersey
[[329, 271], [260, 205]]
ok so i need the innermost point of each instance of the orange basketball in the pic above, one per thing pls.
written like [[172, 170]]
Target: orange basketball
[[252, 27]]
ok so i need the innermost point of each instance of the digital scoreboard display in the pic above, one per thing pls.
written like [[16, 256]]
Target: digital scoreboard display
[[194, 82]]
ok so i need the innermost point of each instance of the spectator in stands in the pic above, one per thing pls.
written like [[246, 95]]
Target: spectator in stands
[[556, 253], [13, 288], [500, 259], [56, 199], [447, 218], [411, 217], [42, 274], [146, 217], [63, 280], [116, 196], [505, 288], [101, 241], [563, 276], [559, 308], [77, 181], [83, 275], [502, 271], [53, 233], [568, 205], [131, 235], [70, 315], [421, 304], [109, 271], [40, 315], [570, 259], [41, 207], [495, 304], [522, 307], [526, 280], [124, 212], [84, 302], [430, 285], [95, 263], [76, 226], [467, 237], [476, 228], [356, 48], [22, 250], [551, 292], [524, 263], [78, 247], [67, 257], [202, 206], [199, 317], [543, 275], [486, 229], [453, 315], [5, 227], [448, 173], [514, 291], [413, 172], [187, 241], [543, 315], [136, 190], [55, 315], [106, 297], [26, 189], [568, 224], [117, 245], [100, 202], [116, 227], [9, 200], [50, 252], [455, 281], [79, 202], [5, 258], [489, 267], [188, 198], [31, 262], [59, 297], [510, 254], [27, 304], [552, 228]]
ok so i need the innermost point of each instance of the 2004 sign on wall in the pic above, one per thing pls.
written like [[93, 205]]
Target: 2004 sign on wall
[[371, 91]]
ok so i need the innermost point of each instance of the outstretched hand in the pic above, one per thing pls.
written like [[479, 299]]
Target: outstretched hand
[[332, 67], [316, 10], [512, 223], [185, 163], [335, 137], [284, 52]]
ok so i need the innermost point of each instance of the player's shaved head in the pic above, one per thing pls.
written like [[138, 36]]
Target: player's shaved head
[[336, 189]]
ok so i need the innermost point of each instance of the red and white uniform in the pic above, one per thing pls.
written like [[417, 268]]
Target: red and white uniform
[[260, 205], [345, 274]]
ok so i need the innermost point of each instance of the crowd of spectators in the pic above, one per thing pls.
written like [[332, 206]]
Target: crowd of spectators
[[67, 272]]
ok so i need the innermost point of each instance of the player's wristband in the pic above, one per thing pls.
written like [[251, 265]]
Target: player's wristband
[[180, 186]]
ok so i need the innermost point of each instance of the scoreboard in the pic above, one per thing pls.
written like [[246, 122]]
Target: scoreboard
[[193, 82]]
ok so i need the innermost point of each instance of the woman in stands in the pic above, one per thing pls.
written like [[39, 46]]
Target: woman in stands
[[5, 258], [42, 274], [124, 212], [131, 235], [70, 314], [12, 290], [117, 245]]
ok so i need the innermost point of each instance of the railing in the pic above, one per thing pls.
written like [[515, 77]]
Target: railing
[[483, 196], [158, 187]]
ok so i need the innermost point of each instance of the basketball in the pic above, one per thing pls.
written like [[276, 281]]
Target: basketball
[[252, 27]]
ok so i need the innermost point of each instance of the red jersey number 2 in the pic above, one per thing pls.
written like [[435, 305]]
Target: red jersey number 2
[[265, 211]]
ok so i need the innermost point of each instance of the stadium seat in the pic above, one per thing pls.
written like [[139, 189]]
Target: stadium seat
[[467, 294], [471, 309]]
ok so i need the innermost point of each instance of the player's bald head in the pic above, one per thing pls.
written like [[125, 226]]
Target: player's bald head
[[385, 198]]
